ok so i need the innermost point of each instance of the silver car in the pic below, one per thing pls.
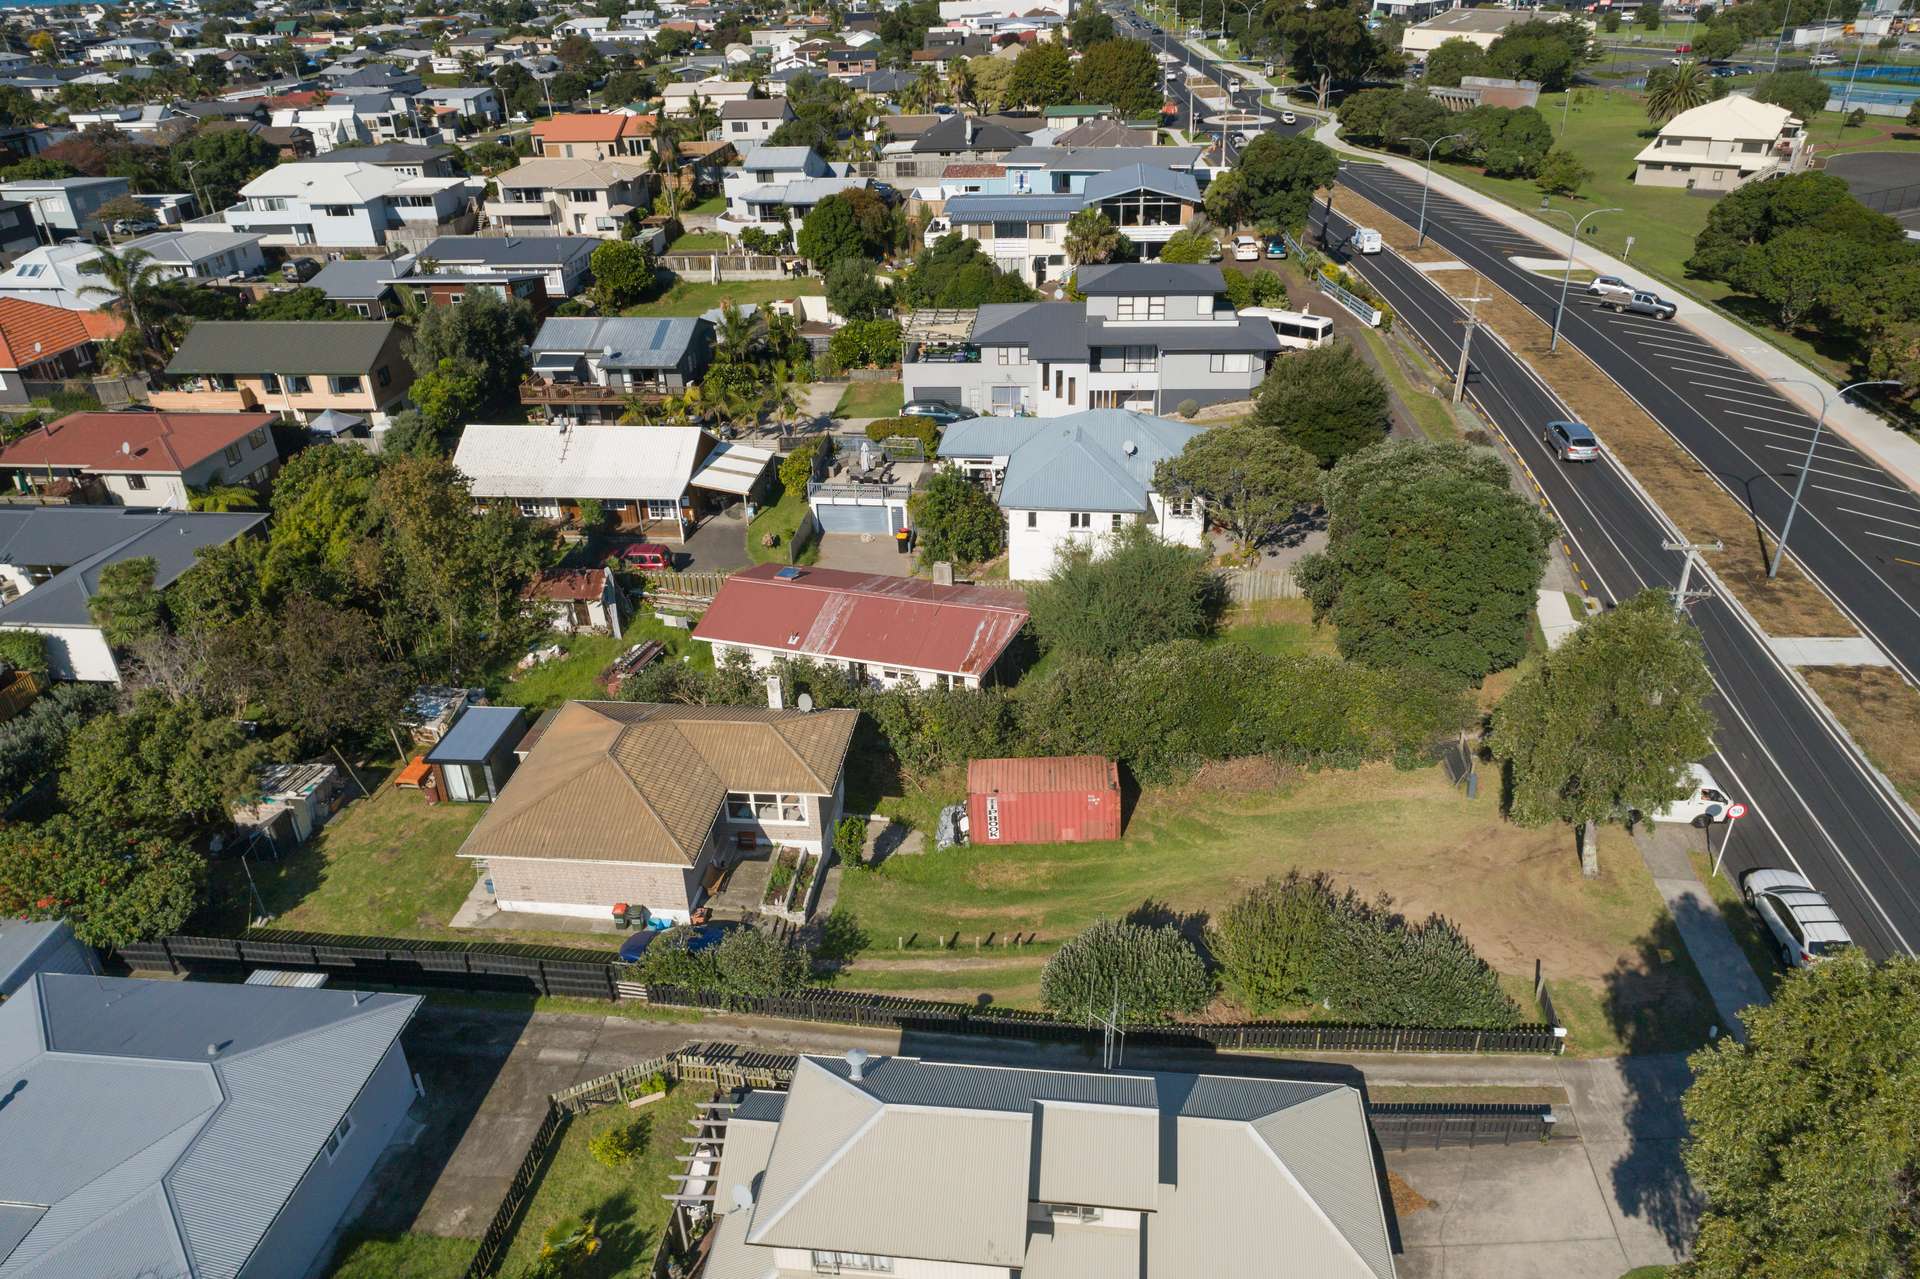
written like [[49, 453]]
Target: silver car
[[1800, 918]]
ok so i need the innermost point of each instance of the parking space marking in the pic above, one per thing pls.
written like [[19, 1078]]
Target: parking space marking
[[1730, 381], [1802, 438], [1885, 519], [1888, 537], [1756, 417], [1877, 501], [1663, 347], [1851, 479]]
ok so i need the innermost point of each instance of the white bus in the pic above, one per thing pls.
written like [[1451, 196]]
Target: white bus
[[1297, 330]]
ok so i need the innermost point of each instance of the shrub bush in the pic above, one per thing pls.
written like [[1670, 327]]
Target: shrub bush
[[796, 468], [1140, 592], [1150, 972], [924, 429], [861, 344], [850, 840], [1301, 940], [621, 1144], [24, 651], [1187, 408]]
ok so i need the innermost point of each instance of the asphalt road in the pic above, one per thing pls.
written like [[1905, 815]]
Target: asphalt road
[[1812, 803], [1185, 61], [1858, 530]]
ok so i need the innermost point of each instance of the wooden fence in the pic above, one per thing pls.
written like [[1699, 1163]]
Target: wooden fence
[[717, 267], [499, 1233], [689, 590], [1252, 585]]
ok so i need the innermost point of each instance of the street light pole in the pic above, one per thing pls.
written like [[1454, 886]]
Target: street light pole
[[1800, 485], [1566, 279], [1428, 184]]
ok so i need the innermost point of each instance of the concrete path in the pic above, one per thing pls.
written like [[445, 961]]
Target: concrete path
[[1897, 452], [1556, 616], [1723, 965], [1839, 650]]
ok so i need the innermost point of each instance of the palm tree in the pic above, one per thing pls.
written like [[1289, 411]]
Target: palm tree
[[737, 331], [1671, 90], [1091, 237], [218, 495], [782, 402], [132, 281], [925, 87], [960, 84], [666, 154]]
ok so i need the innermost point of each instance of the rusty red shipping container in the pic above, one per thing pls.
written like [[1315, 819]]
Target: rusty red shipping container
[[1065, 800]]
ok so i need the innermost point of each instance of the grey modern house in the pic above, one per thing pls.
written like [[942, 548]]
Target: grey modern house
[[587, 369], [189, 1130], [900, 1166], [1148, 337]]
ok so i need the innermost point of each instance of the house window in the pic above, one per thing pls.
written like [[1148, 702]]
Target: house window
[[136, 481], [338, 1135], [1227, 362], [299, 384], [1117, 519], [1079, 519], [1033, 519], [529, 508], [753, 806], [1143, 308], [1180, 508], [661, 510], [257, 438], [270, 382], [232, 455], [1137, 359], [1009, 230], [833, 1263], [386, 378], [360, 308], [345, 385]]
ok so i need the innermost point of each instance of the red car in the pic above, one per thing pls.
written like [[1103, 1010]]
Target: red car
[[648, 557]]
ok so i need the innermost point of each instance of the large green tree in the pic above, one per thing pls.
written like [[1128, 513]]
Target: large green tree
[[1801, 92], [623, 273], [223, 160], [956, 520], [112, 881], [1327, 401], [1455, 58], [1280, 173], [1432, 559], [1608, 722], [1543, 50], [1131, 591], [164, 766], [487, 336], [1249, 479], [1671, 90], [1121, 74], [299, 304], [831, 234], [1042, 76], [1091, 238], [1805, 1139]]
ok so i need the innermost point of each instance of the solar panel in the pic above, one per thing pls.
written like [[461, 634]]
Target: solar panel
[[788, 574]]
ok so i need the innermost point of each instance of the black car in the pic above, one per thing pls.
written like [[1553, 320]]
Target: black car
[[940, 411]]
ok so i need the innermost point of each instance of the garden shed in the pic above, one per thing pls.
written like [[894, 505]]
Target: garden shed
[[1066, 799], [475, 758]]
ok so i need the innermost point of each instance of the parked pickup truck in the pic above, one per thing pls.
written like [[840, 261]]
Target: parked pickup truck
[[1643, 304]]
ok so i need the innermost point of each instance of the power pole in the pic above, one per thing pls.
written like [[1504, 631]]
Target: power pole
[[1683, 596], [1466, 341]]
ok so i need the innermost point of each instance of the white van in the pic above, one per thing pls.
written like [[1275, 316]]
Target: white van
[[1365, 240], [1706, 804], [1246, 249]]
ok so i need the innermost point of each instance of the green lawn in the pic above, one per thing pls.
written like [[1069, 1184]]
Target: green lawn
[[577, 675], [712, 204], [406, 1256], [624, 1203], [871, 399], [780, 519], [1282, 628], [699, 242], [1516, 893], [1430, 413], [689, 298]]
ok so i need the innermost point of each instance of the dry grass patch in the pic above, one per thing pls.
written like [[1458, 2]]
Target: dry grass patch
[[1406, 1200], [1881, 711], [1690, 495]]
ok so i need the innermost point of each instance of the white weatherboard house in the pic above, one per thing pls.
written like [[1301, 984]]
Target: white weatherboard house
[[924, 1170], [1722, 145], [1075, 479]]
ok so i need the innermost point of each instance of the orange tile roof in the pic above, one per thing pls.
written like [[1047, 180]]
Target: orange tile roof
[[146, 442], [568, 584], [55, 329], [593, 128]]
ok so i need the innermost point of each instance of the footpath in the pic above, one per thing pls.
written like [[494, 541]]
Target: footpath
[[1898, 453]]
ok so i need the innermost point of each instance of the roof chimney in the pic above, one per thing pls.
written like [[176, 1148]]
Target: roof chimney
[[856, 1064], [776, 700]]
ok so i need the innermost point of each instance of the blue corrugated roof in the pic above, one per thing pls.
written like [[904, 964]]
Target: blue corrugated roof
[[474, 735], [1081, 462]]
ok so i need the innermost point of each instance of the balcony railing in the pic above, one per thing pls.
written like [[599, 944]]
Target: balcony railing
[[877, 494], [536, 391]]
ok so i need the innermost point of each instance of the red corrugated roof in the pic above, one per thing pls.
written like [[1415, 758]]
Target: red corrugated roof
[[568, 584], [865, 617], [56, 329], [157, 443], [1040, 776]]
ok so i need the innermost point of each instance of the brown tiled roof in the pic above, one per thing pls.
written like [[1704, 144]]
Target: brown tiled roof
[[640, 782], [973, 170]]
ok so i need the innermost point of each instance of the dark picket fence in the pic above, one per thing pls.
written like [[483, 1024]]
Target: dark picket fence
[[588, 974]]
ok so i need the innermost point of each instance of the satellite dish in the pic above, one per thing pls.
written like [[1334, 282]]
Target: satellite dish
[[126, 448], [804, 701], [742, 1198]]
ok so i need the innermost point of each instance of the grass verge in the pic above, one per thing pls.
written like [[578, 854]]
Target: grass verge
[[871, 399], [1881, 712], [1741, 921]]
